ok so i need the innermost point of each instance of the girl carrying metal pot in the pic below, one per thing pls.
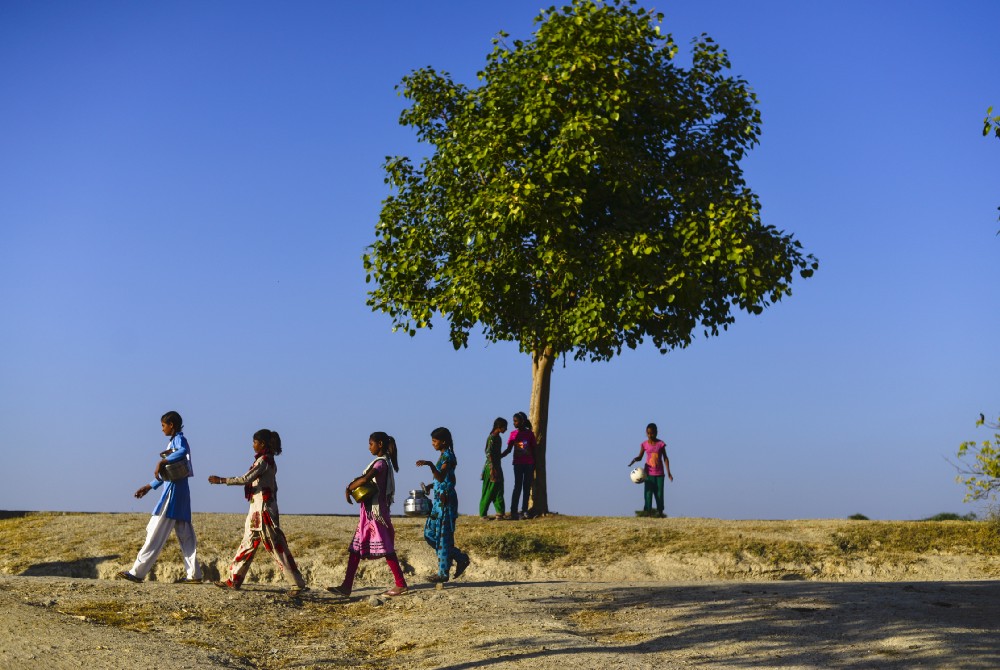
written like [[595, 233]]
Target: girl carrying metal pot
[[375, 537], [173, 511], [439, 529]]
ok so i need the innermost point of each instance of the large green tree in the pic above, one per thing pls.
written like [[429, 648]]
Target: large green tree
[[585, 196]]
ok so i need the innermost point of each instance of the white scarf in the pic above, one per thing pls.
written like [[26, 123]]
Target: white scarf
[[374, 508]]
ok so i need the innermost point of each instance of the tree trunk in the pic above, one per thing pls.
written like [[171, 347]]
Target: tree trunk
[[538, 414]]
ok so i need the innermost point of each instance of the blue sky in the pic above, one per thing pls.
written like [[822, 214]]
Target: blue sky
[[186, 190]]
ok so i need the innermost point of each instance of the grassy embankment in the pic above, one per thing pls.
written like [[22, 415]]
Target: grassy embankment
[[81, 542]]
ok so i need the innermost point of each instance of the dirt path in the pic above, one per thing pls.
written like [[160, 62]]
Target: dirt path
[[711, 594], [55, 622]]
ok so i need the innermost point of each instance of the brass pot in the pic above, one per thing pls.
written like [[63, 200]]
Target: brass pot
[[364, 492]]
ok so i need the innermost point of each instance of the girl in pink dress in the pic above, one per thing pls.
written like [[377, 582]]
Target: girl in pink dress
[[375, 536]]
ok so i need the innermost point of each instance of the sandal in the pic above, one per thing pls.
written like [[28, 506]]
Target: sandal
[[124, 574], [339, 591], [226, 585], [437, 579], [396, 591], [297, 590]]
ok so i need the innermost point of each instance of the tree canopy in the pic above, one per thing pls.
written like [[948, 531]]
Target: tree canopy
[[585, 196]]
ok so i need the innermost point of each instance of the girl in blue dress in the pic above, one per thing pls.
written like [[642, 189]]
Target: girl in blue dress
[[173, 511], [439, 530]]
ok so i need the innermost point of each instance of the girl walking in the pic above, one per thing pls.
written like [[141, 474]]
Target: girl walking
[[492, 472], [657, 463], [439, 530], [375, 537], [172, 512], [260, 487], [522, 441]]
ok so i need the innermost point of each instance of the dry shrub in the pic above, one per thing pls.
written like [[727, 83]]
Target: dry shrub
[[919, 537], [518, 546]]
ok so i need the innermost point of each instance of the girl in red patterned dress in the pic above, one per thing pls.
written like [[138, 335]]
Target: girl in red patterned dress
[[375, 536], [260, 487]]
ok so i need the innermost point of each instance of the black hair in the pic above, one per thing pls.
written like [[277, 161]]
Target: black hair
[[524, 420], [270, 439], [387, 442], [500, 423], [444, 435], [656, 431], [172, 418]]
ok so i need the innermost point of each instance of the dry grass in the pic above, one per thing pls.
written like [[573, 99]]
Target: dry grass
[[783, 549], [40, 543], [130, 617], [918, 537]]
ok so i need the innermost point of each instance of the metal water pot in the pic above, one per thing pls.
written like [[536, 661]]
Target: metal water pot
[[171, 472], [364, 492], [417, 504]]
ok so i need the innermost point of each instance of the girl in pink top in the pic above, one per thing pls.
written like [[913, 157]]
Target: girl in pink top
[[522, 441], [657, 463], [375, 536]]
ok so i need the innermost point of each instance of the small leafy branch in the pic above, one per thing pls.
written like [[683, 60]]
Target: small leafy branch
[[991, 124], [979, 464]]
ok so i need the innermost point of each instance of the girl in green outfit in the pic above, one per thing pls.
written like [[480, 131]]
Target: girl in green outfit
[[492, 472]]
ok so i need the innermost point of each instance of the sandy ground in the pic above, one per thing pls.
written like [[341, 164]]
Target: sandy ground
[[63, 609]]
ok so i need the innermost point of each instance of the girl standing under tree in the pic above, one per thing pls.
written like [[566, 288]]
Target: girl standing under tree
[[375, 537], [492, 472], [522, 441], [439, 530], [260, 487], [656, 462], [172, 512]]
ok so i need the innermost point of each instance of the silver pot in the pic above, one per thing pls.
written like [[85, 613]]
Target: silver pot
[[417, 504], [171, 472]]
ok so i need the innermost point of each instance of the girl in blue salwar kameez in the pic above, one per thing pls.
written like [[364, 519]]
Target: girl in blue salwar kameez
[[439, 530], [173, 510]]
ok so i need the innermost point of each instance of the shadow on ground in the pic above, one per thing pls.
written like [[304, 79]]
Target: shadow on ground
[[895, 626], [82, 567]]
